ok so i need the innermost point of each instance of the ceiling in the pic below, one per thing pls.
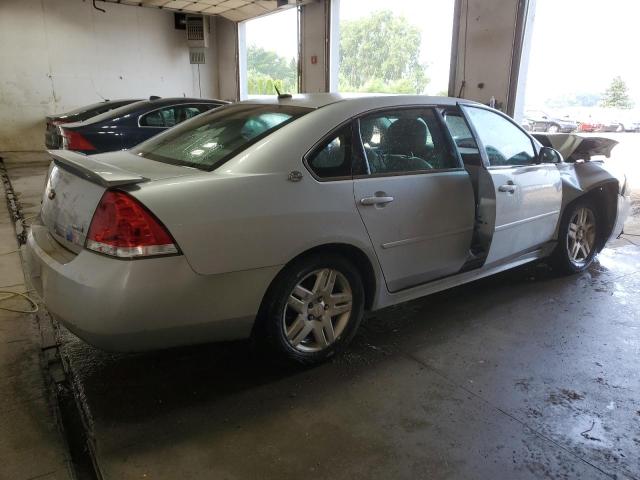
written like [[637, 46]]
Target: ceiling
[[236, 10]]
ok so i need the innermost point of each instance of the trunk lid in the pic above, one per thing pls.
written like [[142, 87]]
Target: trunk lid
[[75, 184]]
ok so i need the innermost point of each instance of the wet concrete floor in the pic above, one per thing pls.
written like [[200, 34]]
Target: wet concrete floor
[[522, 375]]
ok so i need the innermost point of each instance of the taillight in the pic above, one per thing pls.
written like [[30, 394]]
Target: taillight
[[72, 140], [122, 227]]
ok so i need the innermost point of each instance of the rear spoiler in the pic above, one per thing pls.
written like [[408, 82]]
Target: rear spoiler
[[93, 170]]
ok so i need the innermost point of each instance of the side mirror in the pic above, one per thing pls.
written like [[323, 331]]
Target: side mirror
[[549, 155]]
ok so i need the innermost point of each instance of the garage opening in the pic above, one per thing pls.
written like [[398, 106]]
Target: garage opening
[[583, 79], [397, 47], [268, 54]]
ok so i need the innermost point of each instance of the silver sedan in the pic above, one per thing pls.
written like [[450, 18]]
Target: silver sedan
[[286, 219]]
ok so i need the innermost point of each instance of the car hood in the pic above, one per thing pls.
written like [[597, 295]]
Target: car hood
[[576, 147]]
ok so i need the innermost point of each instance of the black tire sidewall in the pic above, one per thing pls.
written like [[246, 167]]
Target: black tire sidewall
[[272, 326], [561, 254]]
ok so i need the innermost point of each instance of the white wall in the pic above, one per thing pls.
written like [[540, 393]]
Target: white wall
[[56, 55]]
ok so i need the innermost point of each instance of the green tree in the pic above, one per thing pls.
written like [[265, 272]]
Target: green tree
[[266, 68], [617, 95], [381, 51]]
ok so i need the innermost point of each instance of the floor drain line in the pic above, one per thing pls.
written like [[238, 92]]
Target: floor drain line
[[13, 204], [70, 414]]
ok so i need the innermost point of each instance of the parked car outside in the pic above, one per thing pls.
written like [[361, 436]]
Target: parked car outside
[[285, 219], [609, 125], [52, 138], [127, 126], [589, 125], [543, 122], [633, 126], [629, 121]]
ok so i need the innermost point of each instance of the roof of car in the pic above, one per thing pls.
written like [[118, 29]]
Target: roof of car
[[143, 106], [318, 100], [171, 100]]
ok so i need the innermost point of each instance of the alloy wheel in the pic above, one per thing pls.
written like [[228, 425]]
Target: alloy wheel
[[317, 310], [581, 236]]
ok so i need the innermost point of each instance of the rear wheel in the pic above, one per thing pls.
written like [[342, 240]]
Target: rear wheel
[[577, 237], [313, 309], [553, 128]]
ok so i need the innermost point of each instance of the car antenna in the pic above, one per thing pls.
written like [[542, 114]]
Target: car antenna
[[282, 95]]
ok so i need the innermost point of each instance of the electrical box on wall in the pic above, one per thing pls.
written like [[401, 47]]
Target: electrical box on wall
[[197, 31], [197, 56]]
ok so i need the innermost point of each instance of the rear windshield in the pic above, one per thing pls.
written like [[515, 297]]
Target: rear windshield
[[209, 140], [120, 111]]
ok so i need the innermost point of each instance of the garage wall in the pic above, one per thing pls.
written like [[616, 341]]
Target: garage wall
[[56, 55]]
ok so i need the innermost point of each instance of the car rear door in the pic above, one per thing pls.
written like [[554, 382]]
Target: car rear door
[[413, 195], [528, 194]]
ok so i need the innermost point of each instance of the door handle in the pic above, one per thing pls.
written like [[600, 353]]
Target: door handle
[[376, 200], [509, 187]]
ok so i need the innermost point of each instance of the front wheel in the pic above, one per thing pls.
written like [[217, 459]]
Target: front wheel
[[577, 238], [313, 309], [553, 128]]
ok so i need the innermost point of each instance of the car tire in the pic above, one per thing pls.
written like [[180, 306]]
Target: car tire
[[578, 237], [553, 128], [620, 128], [296, 320]]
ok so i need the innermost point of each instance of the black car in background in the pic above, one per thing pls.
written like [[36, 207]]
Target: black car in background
[[127, 126], [539, 121], [52, 138]]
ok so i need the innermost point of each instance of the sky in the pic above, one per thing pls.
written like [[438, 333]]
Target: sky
[[578, 46]]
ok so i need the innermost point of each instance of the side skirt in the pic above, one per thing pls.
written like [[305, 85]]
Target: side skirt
[[412, 293]]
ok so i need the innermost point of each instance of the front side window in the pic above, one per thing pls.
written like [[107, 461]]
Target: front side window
[[505, 144], [409, 140], [210, 140], [332, 158], [463, 138]]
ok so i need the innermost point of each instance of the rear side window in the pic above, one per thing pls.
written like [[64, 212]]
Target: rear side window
[[163, 117], [332, 158], [405, 140], [211, 139]]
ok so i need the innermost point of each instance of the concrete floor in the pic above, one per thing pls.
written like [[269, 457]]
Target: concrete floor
[[522, 375], [30, 443]]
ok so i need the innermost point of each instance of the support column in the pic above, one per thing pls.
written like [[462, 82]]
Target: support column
[[487, 46], [314, 52]]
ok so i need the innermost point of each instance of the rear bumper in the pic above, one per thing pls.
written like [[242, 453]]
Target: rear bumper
[[134, 305]]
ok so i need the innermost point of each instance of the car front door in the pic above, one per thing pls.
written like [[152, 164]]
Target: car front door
[[413, 195], [528, 193]]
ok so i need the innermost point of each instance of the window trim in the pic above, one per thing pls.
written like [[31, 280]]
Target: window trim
[[174, 105], [448, 140], [480, 143]]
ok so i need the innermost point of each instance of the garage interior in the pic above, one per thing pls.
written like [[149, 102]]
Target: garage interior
[[524, 374]]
